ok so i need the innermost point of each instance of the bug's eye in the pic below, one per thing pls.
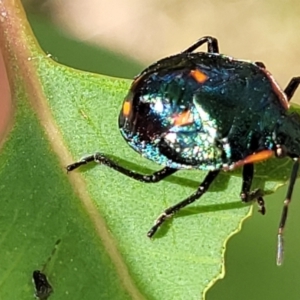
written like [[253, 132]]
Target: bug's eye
[[280, 151]]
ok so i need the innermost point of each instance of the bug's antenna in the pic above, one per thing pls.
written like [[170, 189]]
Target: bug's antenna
[[283, 219]]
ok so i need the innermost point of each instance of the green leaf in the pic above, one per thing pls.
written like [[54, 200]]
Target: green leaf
[[100, 216]]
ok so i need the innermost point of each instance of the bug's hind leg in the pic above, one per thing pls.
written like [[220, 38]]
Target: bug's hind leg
[[169, 212], [246, 195], [212, 45], [292, 87], [284, 213]]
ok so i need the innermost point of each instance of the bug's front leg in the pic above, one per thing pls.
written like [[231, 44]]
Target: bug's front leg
[[169, 212], [246, 195], [103, 160]]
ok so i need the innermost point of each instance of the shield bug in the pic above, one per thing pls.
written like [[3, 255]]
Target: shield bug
[[208, 111]]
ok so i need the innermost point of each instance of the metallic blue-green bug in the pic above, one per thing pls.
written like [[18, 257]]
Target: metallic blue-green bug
[[211, 112]]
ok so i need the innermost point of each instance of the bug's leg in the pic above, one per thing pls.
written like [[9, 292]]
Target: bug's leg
[[103, 160], [292, 87], [284, 214], [246, 195], [169, 212], [212, 45]]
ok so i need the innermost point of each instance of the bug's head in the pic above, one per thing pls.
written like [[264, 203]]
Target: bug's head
[[152, 112], [144, 117]]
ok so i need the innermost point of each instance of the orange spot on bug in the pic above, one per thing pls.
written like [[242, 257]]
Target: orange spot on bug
[[183, 119], [126, 108], [198, 76]]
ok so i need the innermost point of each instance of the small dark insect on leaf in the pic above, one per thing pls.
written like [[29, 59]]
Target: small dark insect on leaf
[[43, 288]]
